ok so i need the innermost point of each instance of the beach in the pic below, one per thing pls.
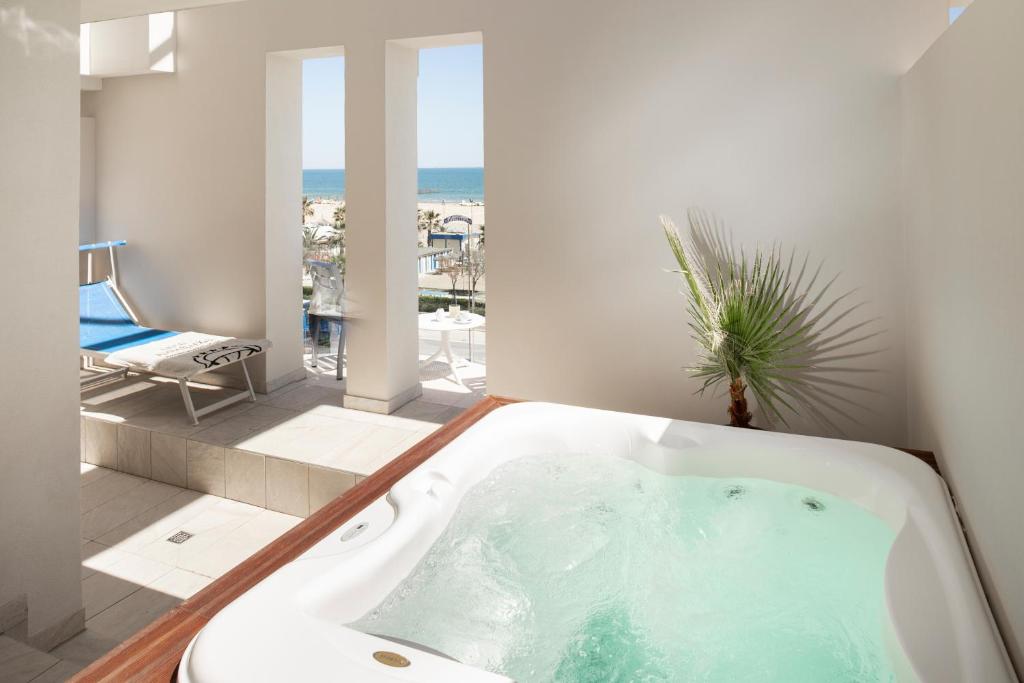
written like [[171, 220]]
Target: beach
[[445, 209], [323, 211]]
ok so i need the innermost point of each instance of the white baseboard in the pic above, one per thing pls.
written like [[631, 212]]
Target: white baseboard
[[14, 623], [382, 406], [59, 632], [273, 385]]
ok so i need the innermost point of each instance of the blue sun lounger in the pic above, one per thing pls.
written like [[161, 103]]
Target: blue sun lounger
[[109, 331]]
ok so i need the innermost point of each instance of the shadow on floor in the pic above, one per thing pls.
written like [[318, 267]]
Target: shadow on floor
[[131, 573]]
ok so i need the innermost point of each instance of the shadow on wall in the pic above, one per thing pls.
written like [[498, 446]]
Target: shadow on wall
[[45, 36]]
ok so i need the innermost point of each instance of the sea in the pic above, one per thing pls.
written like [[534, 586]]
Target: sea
[[435, 184]]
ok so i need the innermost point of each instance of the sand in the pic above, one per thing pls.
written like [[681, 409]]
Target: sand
[[323, 211], [446, 209]]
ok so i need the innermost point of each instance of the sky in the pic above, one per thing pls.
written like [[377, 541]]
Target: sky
[[450, 110]]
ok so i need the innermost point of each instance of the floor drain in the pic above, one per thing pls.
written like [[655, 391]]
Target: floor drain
[[180, 537]]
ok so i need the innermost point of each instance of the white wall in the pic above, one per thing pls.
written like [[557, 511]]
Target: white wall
[[783, 117], [87, 181], [964, 174], [39, 438]]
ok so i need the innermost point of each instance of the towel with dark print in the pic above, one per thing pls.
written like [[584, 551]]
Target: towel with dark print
[[188, 354], [226, 354]]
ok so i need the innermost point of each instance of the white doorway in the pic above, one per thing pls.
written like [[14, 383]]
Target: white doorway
[[323, 216], [451, 221]]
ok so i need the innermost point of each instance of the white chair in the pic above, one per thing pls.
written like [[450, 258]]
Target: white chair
[[327, 302]]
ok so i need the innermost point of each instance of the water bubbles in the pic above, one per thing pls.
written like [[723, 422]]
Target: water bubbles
[[571, 568]]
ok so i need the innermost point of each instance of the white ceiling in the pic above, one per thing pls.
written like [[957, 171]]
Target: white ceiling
[[101, 10]]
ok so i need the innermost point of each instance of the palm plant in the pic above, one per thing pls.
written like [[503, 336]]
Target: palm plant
[[310, 238], [426, 222], [759, 324], [336, 242], [427, 219]]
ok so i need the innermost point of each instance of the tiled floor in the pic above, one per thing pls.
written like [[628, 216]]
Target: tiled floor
[[131, 573]]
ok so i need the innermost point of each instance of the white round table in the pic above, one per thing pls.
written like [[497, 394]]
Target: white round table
[[447, 325]]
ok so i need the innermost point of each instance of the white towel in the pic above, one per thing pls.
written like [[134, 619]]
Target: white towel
[[187, 354]]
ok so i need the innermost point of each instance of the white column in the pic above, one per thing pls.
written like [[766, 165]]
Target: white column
[[380, 177], [283, 256], [39, 441]]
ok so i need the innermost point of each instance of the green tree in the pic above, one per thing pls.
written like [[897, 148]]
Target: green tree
[[339, 217], [454, 267], [426, 222], [336, 241]]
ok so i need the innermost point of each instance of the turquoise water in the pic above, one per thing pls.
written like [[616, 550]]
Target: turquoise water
[[435, 184], [574, 568]]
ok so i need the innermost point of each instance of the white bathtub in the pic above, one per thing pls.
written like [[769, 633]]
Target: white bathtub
[[290, 626]]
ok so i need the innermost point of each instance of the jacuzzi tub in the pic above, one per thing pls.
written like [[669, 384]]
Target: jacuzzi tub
[[291, 626]]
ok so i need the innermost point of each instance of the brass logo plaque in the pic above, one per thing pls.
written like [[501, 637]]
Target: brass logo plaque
[[390, 658]]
